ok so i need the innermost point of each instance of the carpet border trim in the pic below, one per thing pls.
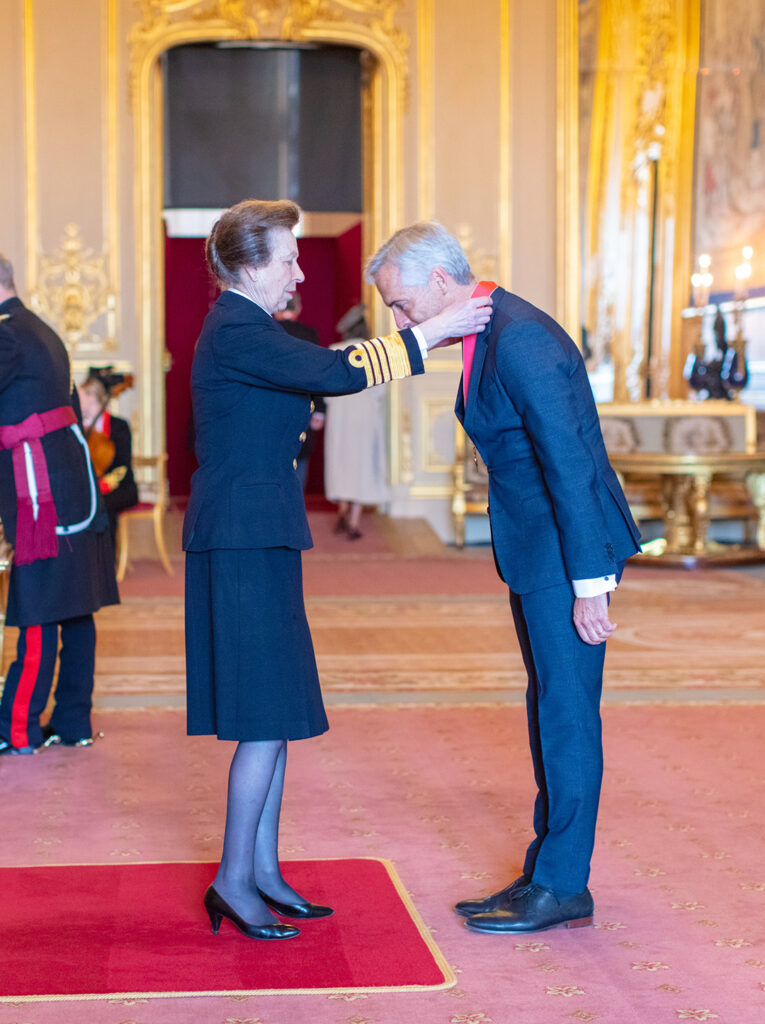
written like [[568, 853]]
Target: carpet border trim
[[450, 978]]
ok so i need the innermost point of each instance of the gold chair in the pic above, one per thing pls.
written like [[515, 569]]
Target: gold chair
[[150, 472]]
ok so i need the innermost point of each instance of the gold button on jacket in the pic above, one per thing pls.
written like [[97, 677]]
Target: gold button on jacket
[[302, 437], [294, 463]]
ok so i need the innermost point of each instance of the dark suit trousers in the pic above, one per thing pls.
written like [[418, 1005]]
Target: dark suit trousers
[[30, 679], [565, 678]]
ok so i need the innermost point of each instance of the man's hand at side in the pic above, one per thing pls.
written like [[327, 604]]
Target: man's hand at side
[[591, 619]]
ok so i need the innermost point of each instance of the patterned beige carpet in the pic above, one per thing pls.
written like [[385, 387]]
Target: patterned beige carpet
[[399, 619], [681, 636]]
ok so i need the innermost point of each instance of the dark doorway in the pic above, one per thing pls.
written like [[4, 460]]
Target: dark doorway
[[266, 122]]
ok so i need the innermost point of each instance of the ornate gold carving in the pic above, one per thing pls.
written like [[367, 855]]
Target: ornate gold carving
[[264, 19], [73, 294]]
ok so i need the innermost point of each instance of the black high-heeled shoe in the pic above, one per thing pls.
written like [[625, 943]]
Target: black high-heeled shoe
[[217, 909], [301, 910]]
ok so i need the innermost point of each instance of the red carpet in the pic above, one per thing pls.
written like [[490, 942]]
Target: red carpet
[[96, 931]]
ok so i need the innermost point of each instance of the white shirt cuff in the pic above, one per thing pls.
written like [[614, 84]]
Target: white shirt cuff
[[594, 587], [420, 341]]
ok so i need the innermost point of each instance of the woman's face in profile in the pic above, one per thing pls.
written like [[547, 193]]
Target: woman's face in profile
[[274, 284]]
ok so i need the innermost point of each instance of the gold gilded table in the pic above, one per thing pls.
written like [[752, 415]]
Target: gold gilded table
[[686, 481]]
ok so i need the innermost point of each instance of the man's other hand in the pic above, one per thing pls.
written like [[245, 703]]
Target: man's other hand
[[591, 619]]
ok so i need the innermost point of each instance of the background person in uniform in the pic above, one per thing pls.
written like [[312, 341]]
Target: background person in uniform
[[110, 442], [355, 457], [251, 671], [289, 318], [561, 532], [53, 516]]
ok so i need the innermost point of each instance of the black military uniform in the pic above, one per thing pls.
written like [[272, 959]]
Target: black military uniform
[[53, 515]]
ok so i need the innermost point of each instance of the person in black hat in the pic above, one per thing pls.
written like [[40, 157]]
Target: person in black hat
[[109, 440]]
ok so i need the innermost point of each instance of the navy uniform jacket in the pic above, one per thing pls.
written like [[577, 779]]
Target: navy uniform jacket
[[251, 387], [556, 507], [35, 377], [300, 330]]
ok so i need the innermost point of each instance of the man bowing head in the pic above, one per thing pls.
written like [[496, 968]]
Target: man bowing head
[[561, 532]]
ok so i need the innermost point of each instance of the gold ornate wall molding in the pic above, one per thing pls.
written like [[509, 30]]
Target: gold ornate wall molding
[[369, 25], [74, 294], [165, 23], [74, 288]]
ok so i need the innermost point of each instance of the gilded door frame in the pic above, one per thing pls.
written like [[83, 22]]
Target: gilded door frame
[[384, 98]]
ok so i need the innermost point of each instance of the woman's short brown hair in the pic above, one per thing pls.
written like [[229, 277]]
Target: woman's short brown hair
[[240, 236]]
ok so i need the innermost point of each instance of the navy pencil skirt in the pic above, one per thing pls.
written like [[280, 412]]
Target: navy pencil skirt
[[250, 667]]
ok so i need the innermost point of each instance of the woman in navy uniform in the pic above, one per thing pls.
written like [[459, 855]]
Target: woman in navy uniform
[[53, 516], [251, 671]]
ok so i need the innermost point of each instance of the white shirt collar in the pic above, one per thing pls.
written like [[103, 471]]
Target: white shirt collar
[[237, 292]]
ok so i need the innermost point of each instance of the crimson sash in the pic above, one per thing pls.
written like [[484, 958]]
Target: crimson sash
[[35, 536], [468, 342]]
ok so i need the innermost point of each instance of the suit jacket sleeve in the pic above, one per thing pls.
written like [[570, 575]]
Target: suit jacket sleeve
[[537, 373], [264, 354]]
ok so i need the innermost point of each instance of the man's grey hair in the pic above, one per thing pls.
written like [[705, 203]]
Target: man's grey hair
[[416, 250], [6, 274]]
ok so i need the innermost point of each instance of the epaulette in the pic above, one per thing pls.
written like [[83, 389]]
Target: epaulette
[[5, 316], [382, 359]]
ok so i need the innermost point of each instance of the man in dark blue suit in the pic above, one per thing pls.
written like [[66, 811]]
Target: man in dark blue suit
[[561, 533]]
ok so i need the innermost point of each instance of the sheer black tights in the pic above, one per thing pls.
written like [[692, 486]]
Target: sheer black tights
[[250, 857]]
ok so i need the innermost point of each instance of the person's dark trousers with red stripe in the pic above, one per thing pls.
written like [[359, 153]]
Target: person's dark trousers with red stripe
[[30, 677]]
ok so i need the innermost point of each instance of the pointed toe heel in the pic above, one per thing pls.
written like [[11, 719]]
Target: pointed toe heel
[[303, 911], [217, 909]]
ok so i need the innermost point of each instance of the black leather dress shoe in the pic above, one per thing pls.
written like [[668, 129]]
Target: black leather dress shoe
[[302, 910], [217, 909], [497, 900], [534, 909], [9, 750]]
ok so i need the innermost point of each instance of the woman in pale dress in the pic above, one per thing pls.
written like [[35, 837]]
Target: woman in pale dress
[[355, 456]]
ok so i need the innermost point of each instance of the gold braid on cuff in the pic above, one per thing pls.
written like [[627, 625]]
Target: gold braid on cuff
[[382, 359]]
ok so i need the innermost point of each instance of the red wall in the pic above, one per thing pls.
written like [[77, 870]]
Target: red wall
[[332, 268]]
